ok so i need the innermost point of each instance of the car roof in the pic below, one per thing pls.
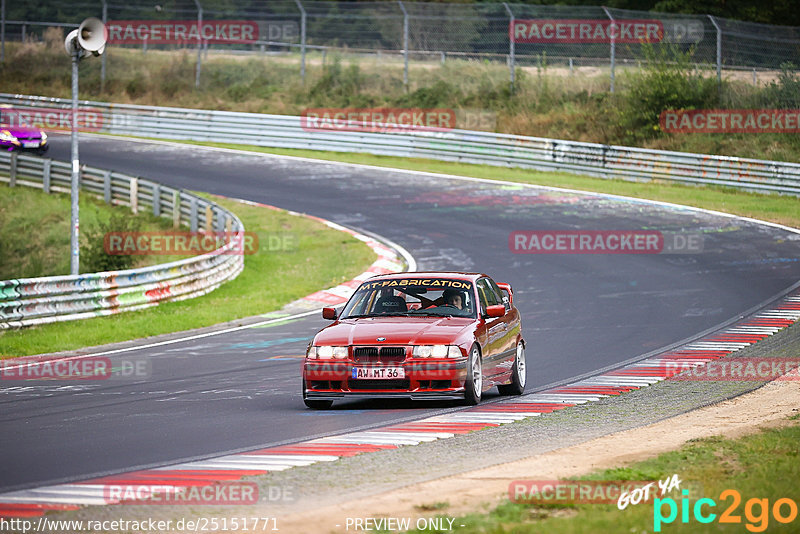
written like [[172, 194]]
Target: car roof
[[455, 275]]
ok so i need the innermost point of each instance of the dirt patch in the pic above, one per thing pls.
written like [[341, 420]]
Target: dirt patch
[[482, 489]]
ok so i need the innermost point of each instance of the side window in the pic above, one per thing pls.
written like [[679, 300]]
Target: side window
[[487, 294], [501, 294]]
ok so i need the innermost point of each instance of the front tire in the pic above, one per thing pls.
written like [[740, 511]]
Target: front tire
[[315, 404], [473, 386], [518, 374]]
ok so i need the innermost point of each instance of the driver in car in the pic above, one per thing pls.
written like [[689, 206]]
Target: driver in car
[[453, 298]]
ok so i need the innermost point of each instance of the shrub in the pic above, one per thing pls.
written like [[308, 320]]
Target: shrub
[[668, 80], [785, 93], [93, 255]]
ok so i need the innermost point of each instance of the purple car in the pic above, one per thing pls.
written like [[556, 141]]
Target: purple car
[[23, 138]]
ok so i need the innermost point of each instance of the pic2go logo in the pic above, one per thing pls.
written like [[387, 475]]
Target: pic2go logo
[[756, 511]]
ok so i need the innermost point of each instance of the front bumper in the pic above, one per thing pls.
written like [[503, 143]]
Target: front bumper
[[455, 394], [424, 379]]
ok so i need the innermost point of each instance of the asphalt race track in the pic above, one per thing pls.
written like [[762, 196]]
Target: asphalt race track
[[241, 390]]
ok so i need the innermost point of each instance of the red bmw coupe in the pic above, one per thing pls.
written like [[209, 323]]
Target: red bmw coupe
[[423, 335]]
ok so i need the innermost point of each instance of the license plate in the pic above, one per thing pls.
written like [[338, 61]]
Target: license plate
[[30, 144], [379, 372]]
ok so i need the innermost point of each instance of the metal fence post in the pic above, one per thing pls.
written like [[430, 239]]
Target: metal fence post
[[105, 54], [511, 65], [199, 43], [134, 195], [193, 214], [46, 176], [719, 51], [302, 40], [613, 53], [3, 31], [107, 187], [176, 209], [209, 222], [12, 170], [405, 43], [157, 199]]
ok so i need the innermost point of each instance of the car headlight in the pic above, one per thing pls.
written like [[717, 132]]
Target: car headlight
[[5, 135], [327, 352], [437, 351], [44, 137]]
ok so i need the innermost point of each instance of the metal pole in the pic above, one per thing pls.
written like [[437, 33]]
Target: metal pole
[[512, 66], [2, 31], [302, 40], [405, 43], [103, 59], [76, 169], [199, 43], [719, 51], [613, 49]]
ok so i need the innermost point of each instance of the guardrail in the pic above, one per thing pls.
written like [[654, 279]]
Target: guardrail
[[281, 131], [33, 301]]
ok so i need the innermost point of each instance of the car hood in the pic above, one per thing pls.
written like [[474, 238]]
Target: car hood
[[396, 330], [21, 131]]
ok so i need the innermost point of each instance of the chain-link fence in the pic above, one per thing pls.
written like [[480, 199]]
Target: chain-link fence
[[400, 32]]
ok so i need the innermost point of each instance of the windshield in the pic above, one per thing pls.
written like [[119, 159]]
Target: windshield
[[413, 297]]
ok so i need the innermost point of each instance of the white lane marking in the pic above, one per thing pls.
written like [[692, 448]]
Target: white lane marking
[[421, 436], [371, 441], [291, 457], [547, 398], [781, 314], [407, 434], [479, 417], [754, 330], [717, 345], [621, 383], [245, 460], [61, 494]]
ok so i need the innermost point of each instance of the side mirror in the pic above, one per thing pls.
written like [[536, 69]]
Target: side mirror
[[498, 310], [506, 289], [329, 313]]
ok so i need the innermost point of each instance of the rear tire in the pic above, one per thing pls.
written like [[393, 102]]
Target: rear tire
[[518, 374], [315, 404], [473, 385]]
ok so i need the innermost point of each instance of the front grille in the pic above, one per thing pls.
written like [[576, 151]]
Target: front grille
[[365, 354], [379, 384], [393, 352], [379, 354]]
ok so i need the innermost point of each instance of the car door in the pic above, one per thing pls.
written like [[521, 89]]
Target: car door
[[512, 330], [495, 332]]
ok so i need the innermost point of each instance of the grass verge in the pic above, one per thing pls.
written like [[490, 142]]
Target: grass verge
[[781, 209], [746, 465], [271, 278], [35, 235]]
